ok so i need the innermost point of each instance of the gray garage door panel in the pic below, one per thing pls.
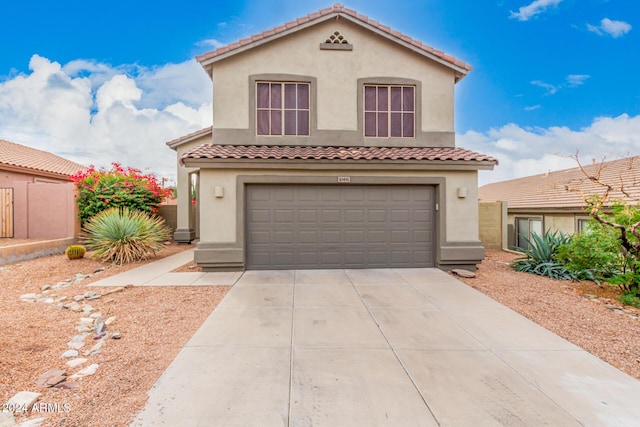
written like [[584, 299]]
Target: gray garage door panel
[[325, 226]]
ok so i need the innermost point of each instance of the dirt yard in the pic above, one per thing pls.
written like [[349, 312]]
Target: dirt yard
[[155, 323]]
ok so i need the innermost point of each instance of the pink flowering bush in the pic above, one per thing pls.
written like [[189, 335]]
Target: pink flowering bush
[[101, 189]]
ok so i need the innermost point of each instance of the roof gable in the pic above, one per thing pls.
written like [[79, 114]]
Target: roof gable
[[563, 189], [336, 11], [32, 160]]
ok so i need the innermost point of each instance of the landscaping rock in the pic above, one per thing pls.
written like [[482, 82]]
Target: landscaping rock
[[99, 336], [98, 270], [86, 308], [32, 422], [95, 349], [45, 288], [67, 385], [116, 335], [76, 362], [78, 298], [94, 297], [110, 320], [23, 401], [29, 297], [51, 378], [76, 345], [99, 326], [89, 370], [6, 418], [69, 354], [463, 273]]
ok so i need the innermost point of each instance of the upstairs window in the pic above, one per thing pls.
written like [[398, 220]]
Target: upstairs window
[[389, 111], [282, 108]]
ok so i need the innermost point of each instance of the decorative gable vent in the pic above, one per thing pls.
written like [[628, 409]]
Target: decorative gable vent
[[336, 41], [336, 37]]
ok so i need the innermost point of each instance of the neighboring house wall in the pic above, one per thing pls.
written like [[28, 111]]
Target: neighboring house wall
[[336, 88], [8, 177]]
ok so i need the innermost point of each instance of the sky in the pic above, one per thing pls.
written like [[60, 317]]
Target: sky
[[114, 82]]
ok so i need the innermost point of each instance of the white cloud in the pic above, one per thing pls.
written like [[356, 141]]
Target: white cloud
[[550, 89], [532, 107], [537, 7], [529, 151], [575, 80], [615, 29], [212, 43], [94, 113]]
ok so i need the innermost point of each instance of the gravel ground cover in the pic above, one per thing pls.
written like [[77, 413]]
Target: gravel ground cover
[[154, 323]]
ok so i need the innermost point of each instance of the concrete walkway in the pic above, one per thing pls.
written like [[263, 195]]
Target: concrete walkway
[[405, 347], [158, 273]]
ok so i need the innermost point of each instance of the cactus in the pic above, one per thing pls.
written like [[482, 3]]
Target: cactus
[[75, 251]]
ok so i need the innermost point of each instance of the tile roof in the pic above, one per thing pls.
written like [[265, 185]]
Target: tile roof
[[23, 157], [189, 137], [272, 152], [552, 190], [321, 15]]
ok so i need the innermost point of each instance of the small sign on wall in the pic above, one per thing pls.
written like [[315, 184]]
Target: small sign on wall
[[344, 179]]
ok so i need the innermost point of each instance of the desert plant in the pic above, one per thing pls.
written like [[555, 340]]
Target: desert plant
[[592, 254], [540, 257], [99, 189], [75, 252], [121, 235]]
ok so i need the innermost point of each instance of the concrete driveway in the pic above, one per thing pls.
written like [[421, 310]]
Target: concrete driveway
[[404, 347]]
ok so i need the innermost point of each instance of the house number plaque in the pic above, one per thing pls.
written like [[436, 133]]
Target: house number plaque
[[344, 179]]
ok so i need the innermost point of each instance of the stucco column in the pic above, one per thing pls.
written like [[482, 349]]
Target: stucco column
[[185, 231]]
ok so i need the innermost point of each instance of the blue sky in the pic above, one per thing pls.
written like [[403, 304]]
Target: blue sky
[[114, 82]]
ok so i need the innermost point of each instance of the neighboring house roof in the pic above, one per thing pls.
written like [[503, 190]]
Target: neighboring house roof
[[189, 137], [273, 152], [337, 10], [565, 188], [30, 160]]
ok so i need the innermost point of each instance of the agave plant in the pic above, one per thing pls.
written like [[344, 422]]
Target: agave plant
[[122, 236], [539, 258]]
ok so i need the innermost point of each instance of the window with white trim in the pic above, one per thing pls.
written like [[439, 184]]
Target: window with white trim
[[389, 111], [282, 108]]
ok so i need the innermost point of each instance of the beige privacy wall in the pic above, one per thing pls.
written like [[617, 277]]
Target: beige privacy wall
[[337, 74], [492, 224]]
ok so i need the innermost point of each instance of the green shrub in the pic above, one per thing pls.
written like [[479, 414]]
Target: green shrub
[[630, 298], [540, 257], [592, 254], [99, 189], [121, 235], [75, 252]]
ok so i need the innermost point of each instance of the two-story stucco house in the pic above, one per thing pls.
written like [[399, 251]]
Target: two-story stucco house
[[333, 146]]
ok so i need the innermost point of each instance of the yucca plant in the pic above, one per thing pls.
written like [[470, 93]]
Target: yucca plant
[[540, 257], [122, 236]]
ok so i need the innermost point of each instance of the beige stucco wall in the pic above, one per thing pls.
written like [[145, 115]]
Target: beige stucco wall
[[182, 183], [560, 222], [337, 73], [219, 221]]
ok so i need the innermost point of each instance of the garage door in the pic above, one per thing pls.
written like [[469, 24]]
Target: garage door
[[332, 226]]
